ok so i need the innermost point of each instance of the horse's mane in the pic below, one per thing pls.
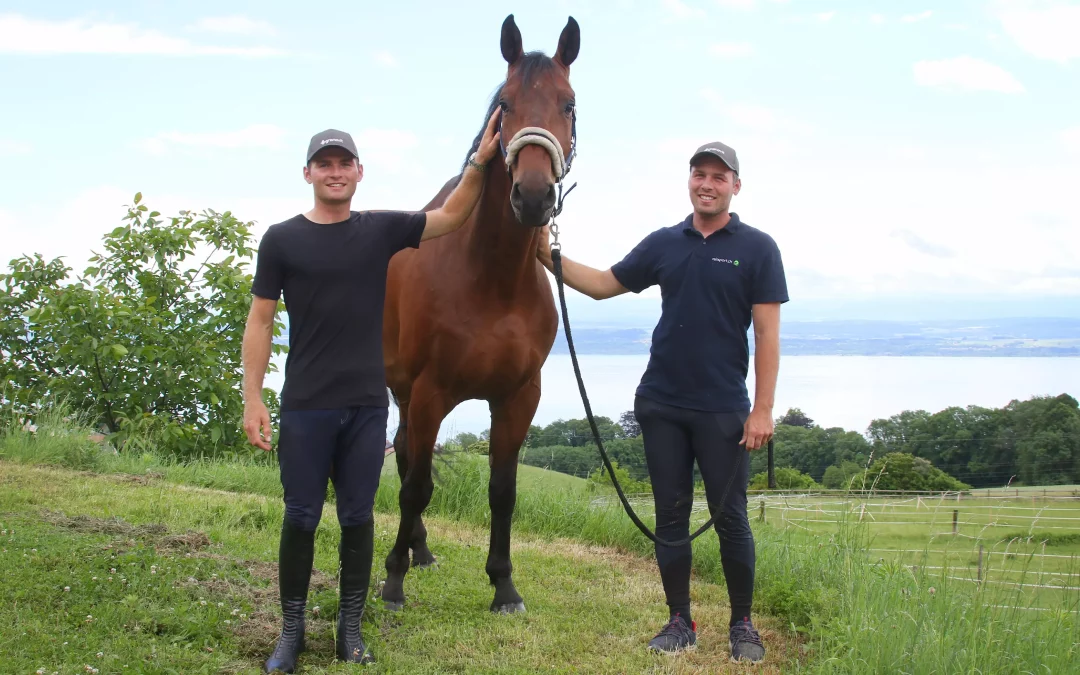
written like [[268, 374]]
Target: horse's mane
[[532, 64]]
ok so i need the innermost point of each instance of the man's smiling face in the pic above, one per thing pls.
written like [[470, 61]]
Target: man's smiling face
[[712, 185], [334, 173]]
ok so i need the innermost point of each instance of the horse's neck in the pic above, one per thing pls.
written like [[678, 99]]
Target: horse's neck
[[502, 249]]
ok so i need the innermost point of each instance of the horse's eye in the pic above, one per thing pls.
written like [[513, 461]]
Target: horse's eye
[[569, 108], [504, 106]]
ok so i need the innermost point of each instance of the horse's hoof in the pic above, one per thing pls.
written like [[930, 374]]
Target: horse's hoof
[[394, 605], [508, 608]]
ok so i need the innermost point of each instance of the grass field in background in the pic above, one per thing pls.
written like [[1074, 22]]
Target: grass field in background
[[853, 609]]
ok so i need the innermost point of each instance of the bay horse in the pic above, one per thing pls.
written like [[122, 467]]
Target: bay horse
[[471, 315]]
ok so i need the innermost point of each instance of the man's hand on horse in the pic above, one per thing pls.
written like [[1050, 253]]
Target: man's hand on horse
[[490, 142], [257, 424], [543, 248], [757, 430]]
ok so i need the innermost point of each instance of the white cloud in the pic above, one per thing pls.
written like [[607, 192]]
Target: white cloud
[[385, 58], [11, 147], [754, 117], [965, 73], [737, 4], [731, 50], [22, 35], [236, 25], [680, 10], [913, 18], [1071, 138], [386, 149], [1044, 30], [825, 16], [877, 18], [256, 136]]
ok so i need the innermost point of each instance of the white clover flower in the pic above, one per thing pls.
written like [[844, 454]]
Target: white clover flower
[[67, 589], [235, 612], [100, 654], [221, 604]]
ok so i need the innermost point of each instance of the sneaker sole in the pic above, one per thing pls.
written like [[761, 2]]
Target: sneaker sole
[[671, 652]]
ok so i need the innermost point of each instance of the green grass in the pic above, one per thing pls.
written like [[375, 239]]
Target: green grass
[[858, 610], [588, 609]]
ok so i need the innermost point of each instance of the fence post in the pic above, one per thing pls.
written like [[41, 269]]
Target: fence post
[[955, 516], [980, 571], [762, 518]]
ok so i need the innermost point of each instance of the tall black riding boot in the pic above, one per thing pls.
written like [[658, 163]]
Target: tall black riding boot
[[296, 554], [356, 550]]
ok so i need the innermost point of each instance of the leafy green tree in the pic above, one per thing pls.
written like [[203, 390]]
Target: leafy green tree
[[844, 477], [629, 425], [147, 341], [786, 479], [795, 417], [903, 471]]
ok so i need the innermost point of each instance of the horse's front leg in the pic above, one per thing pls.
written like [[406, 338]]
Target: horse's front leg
[[510, 421], [427, 408]]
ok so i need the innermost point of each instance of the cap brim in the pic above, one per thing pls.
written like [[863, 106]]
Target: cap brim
[[713, 155], [332, 145]]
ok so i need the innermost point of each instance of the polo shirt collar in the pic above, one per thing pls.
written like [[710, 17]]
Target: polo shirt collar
[[733, 226]]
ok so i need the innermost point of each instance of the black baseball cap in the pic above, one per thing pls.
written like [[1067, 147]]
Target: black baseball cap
[[330, 137], [717, 149]]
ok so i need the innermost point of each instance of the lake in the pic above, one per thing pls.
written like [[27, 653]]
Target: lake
[[843, 391]]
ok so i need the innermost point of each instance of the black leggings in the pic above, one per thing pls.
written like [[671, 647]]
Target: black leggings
[[674, 438]]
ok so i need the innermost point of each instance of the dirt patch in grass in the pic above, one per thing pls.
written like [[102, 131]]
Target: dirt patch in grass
[[91, 525], [138, 479]]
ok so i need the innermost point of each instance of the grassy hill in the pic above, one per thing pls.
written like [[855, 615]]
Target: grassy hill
[[136, 574], [163, 537]]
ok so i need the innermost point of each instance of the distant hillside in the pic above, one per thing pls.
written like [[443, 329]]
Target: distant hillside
[[984, 337], [992, 337]]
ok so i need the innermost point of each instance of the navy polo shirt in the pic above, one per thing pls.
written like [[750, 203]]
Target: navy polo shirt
[[700, 351]]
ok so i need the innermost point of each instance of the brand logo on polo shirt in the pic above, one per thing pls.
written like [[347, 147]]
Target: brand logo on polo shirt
[[725, 260]]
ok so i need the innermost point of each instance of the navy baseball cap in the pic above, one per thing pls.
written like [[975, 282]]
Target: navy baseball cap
[[331, 137]]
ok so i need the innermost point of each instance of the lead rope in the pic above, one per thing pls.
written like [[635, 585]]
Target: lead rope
[[556, 259]]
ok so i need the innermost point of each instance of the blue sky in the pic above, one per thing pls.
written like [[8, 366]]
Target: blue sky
[[893, 151]]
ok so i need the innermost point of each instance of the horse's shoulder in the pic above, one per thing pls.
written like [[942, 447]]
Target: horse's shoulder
[[439, 198]]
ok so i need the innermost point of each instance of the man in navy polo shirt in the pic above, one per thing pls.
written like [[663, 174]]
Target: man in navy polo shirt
[[716, 275]]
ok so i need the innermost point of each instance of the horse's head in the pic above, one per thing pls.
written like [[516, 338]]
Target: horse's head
[[537, 121]]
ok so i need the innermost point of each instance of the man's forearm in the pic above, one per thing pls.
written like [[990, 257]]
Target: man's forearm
[[597, 284], [766, 368], [256, 358], [461, 200]]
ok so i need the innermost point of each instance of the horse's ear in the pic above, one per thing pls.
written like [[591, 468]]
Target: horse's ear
[[569, 43], [511, 41]]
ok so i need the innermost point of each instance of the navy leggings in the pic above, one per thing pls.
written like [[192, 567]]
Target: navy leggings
[[345, 446], [674, 438]]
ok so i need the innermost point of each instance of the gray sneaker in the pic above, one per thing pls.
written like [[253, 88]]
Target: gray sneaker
[[676, 636], [745, 642]]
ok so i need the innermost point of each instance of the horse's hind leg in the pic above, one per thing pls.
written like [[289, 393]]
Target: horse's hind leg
[[427, 408], [421, 554], [510, 421]]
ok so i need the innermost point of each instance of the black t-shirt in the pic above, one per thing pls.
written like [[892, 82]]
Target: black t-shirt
[[333, 281], [699, 356]]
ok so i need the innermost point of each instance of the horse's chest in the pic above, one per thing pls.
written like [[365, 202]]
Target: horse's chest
[[502, 356]]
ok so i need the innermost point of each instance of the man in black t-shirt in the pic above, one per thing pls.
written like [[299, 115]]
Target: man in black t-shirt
[[716, 275], [329, 265]]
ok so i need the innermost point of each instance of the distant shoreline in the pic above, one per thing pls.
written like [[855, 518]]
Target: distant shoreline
[[1017, 337]]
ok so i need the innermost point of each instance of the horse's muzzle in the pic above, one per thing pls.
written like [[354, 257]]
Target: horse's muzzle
[[533, 204]]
